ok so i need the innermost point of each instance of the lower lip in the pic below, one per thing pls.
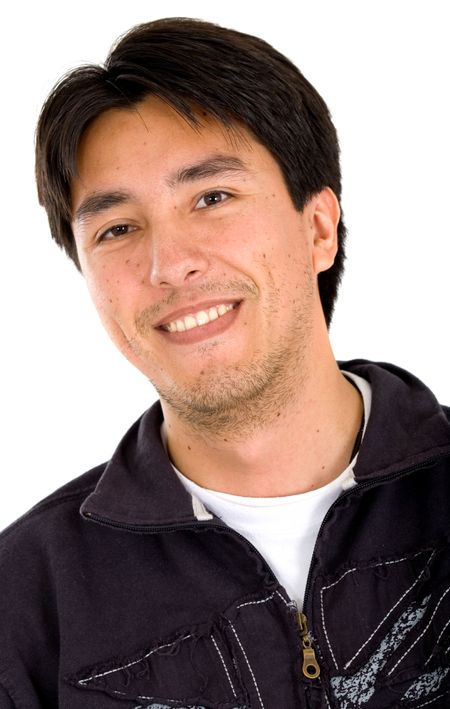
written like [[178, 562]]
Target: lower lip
[[203, 332]]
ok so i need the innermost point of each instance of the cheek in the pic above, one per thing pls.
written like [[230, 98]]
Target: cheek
[[247, 241], [103, 287], [115, 284], [116, 305]]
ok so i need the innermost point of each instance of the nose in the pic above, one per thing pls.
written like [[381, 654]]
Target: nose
[[177, 257]]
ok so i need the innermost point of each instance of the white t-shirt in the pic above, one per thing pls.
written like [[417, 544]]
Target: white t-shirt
[[283, 529]]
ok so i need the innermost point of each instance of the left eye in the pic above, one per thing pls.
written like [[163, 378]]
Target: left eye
[[116, 232], [210, 199]]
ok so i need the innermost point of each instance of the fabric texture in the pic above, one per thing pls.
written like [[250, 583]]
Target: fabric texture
[[122, 590]]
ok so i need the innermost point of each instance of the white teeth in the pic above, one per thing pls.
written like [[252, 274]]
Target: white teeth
[[197, 319], [202, 317], [190, 322]]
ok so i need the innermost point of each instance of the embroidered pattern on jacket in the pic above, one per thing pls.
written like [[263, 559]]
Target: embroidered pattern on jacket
[[139, 673], [355, 690], [387, 615]]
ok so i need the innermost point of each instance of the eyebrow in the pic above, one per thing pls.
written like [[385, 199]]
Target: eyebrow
[[210, 167], [99, 202]]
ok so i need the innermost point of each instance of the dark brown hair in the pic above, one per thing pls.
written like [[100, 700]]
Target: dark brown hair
[[186, 62]]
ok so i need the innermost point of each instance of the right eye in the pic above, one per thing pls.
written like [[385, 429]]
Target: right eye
[[116, 232]]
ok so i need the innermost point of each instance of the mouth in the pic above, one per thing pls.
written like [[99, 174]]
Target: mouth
[[199, 318]]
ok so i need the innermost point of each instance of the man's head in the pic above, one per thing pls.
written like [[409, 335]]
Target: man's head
[[195, 66]]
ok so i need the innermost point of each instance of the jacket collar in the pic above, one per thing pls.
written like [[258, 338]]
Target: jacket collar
[[139, 486], [406, 428]]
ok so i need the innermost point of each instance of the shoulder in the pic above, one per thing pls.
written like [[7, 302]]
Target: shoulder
[[57, 510], [37, 556]]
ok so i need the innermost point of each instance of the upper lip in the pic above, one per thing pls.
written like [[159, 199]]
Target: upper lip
[[195, 308]]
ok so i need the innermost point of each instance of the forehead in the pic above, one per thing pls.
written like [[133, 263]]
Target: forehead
[[156, 125], [154, 134]]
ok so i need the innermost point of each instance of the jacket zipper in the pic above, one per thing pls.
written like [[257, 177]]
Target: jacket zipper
[[310, 666]]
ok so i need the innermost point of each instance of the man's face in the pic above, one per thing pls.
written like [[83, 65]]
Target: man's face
[[202, 270]]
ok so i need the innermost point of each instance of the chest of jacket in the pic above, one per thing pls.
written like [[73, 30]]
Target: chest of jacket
[[193, 617]]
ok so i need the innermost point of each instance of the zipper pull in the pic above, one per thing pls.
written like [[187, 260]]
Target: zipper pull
[[310, 667]]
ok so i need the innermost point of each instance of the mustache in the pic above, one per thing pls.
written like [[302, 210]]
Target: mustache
[[239, 288]]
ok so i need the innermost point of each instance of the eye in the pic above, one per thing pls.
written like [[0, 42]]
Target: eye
[[210, 199], [116, 232]]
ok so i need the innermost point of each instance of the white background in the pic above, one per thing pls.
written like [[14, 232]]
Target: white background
[[383, 67]]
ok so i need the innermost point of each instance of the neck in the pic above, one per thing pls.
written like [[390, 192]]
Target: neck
[[302, 446]]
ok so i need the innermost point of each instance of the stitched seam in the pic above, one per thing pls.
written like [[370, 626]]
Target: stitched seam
[[289, 604], [224, 666], [374, 566], [322, 613], [443, 630], [430, 701], [347, 665], [322, 610], [248, 664], [349, 571], [256, 603], [421, 634], [142, 696], [437, 641], [130, 664], [141, 706], [42, 507]]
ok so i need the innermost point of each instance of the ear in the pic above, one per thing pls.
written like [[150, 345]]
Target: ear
[[324, 219]]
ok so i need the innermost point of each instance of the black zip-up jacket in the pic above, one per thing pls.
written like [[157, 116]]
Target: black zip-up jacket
[[121, 591]]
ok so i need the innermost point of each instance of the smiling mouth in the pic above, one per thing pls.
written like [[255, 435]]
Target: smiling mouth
[[202, 317]]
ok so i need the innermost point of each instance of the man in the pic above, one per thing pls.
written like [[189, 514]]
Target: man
[[274, 532]]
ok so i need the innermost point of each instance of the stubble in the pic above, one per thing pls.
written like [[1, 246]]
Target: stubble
[[235, 401]]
